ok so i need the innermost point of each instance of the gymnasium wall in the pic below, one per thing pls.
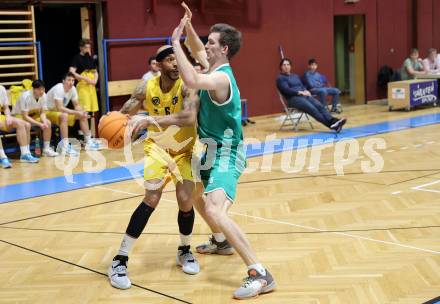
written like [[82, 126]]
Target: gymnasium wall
[[428, 24], [303, 27]]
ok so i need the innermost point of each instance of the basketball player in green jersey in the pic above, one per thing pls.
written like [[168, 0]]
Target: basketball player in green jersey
[[219, 121]]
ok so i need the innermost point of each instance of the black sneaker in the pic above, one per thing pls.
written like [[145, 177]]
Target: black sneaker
[[337, 125]]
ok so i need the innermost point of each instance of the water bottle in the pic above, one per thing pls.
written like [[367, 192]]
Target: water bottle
[[37, 147]]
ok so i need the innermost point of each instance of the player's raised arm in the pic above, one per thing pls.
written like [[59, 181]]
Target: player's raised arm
[[193, 42], [194, 80]]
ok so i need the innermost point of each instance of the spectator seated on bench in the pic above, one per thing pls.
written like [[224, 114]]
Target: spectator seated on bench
[[31, 106], [299, 97], [7, 124], [318, 86]]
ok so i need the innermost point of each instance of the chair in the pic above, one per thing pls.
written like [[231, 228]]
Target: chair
[[293, 115]]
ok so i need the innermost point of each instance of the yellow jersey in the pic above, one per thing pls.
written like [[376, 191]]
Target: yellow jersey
[[157, 103]]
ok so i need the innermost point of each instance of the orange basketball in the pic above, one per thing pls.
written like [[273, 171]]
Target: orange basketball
[[112, 128]]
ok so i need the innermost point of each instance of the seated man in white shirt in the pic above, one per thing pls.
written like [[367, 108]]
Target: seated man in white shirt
[[58, 98], [154, 69], [431, 64], [31, 106], [22, 129]]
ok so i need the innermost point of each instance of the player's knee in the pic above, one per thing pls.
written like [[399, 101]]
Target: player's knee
[[21, 124], [49, 124], [184, 199], [63, 117], [152, 198], [213, 212], [18, 124]]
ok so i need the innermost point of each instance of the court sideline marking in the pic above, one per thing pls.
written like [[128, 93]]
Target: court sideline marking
[[422, 187], [35, 188]]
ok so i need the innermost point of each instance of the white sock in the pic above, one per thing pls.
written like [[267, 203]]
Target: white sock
[[46, 145], [65, 142], [185, 240], [87, 138], [2, 153], [24, 150], [219, 237], [127, 243], [258, 267]]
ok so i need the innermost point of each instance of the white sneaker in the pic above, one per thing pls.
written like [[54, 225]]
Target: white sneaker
[[29, 158], [117, 272], [92, 145], [49, 152], [255, 284], [187, 261], [69, 150]]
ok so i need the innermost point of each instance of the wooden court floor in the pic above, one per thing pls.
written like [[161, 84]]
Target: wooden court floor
[[327, 238]]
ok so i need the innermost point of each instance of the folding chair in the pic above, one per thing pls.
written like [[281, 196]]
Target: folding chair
[[293, 115]]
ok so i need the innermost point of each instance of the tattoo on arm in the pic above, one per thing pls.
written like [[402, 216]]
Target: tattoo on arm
[[129, 106], [139, 91], [132, 105], [191, 101]]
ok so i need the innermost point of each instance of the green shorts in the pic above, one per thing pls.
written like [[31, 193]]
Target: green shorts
[[224, 172]]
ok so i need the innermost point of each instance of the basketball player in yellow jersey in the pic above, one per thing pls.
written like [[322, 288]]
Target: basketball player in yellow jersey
[[167, 156]]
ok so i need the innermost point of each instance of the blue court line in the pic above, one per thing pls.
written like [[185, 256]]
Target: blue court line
[[433, 301], [83, 180]]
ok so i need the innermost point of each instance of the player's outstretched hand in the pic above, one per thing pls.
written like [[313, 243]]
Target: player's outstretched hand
[[188, 12], [177, 33]]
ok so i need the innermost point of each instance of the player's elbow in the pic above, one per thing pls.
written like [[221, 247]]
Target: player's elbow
[[191, 83], [192, 80]]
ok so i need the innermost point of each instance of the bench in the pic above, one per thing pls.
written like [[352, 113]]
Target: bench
[[122, 87]]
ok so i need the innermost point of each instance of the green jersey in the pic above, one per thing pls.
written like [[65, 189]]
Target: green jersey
[[221, 121], [222, 124]]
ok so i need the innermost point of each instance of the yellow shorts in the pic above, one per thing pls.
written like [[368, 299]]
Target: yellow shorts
[[34, 116], [161, 165], [87, 97], [3, 126], [55, 118]]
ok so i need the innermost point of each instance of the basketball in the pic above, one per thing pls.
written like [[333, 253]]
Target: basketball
[[112, 128]]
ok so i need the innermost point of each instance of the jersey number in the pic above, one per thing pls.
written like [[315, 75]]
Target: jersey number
[[167, 111]]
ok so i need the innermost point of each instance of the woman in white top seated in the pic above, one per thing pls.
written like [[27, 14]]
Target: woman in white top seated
[[431, 64]]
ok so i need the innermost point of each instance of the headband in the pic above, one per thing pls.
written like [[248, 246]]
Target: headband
[[164, 53]]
